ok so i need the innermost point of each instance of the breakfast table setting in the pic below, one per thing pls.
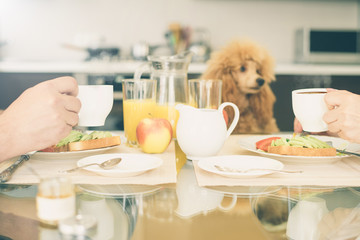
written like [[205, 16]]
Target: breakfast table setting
[[178, 171], [180, 192]]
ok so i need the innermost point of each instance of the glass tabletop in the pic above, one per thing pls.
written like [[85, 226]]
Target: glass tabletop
[[186, 211]]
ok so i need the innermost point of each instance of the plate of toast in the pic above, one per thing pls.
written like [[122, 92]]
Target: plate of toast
[[80, 144], [305, 155], [70, 154]]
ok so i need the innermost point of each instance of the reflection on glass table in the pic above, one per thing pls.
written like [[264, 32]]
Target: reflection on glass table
[[187, 211], [309, 213]]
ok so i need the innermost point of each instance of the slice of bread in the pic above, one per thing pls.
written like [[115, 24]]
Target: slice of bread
[[86, 145], [300, 151]]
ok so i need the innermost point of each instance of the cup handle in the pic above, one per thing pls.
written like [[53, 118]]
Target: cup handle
[[141, 69], [231, 205], [236, 117]]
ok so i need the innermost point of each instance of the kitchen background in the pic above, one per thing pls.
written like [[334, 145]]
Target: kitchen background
[[36, 29], [33, 34]]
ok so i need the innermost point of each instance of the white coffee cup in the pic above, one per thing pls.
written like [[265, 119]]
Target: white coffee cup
[[96, 104], [309, 108]]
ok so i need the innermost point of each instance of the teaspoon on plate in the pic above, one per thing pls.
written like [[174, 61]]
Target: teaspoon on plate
[[228, 169], [108, 164]]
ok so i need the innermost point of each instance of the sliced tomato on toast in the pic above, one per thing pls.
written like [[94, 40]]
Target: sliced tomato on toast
[[264, 144]]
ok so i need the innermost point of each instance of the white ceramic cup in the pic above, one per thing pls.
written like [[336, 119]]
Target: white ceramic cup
[[96, 104], [309, 108]]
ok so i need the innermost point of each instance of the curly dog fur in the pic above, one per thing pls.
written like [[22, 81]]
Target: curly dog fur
[[246, 70]]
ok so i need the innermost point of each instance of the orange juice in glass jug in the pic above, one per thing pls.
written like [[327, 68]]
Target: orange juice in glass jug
[[138, 103], [170, 74]]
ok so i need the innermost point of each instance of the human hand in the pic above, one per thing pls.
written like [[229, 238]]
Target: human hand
[[298, 129], [40, 116], [297, 126], [343, 117]]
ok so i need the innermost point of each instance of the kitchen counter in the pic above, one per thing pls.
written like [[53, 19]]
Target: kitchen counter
[[128, 67]]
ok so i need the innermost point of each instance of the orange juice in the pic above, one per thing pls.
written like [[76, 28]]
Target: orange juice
[[180, 157], [134, 111], [169, 113]]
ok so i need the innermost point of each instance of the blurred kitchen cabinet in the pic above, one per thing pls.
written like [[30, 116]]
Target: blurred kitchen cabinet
[[13, 84]]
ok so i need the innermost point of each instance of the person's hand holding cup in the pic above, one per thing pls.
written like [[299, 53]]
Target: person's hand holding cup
[[309, 107]]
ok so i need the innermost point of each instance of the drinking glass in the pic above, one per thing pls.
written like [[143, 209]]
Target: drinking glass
[[139, 101], [205, 93]]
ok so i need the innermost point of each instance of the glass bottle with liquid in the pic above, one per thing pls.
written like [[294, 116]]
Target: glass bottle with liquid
[[55, 200], [170, 73]]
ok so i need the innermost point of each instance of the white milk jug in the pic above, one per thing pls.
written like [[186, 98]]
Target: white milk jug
[[202, 132]]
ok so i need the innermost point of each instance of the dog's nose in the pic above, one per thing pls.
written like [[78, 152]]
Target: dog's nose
[[260, 81]]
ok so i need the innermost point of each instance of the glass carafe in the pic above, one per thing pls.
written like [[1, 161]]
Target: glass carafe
[[170, 73]]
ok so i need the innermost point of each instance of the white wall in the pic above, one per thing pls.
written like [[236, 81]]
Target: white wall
[[35, 29]]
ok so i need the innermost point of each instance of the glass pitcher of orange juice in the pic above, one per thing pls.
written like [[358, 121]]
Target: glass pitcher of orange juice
[[170, 73]]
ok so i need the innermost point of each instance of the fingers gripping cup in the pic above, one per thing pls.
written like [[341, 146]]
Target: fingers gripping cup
[[309, 108], [96, 104]]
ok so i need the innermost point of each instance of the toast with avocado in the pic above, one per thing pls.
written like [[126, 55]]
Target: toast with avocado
[[78, 141], [297, 146]]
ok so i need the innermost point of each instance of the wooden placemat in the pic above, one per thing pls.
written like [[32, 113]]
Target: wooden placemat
[[345, 172], [51, 167]]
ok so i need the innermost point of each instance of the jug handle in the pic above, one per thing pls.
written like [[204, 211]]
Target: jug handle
[[141, 69], [236, 117]]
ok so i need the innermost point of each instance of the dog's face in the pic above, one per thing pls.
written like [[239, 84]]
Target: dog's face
[[243, 65], [248, 77]]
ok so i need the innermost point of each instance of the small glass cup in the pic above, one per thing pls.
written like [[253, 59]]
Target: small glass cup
[[139, 102], [205, 93], [78, 227], [55, 200]]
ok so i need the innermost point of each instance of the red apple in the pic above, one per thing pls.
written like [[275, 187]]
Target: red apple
[[154, 134]]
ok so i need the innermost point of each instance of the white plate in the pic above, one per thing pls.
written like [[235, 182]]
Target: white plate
[[240, 162], [248, 143], [69, 155], [131, 164]]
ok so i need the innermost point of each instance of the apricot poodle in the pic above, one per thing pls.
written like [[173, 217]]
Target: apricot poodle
[[246, 70]]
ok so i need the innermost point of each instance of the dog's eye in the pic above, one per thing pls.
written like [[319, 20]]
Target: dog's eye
[[242, 69], [258, 71]]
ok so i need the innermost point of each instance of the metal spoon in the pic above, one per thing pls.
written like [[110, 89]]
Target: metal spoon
[[227, 169], [108, 164]]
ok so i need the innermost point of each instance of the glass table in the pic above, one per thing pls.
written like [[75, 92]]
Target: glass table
[[187, 211]]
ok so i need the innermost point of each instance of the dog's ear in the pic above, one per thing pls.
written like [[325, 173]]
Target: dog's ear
[[218, 66], [226, 70], [268, 67]]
